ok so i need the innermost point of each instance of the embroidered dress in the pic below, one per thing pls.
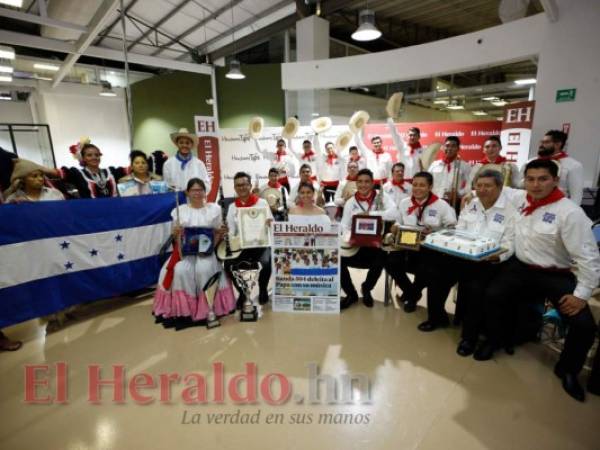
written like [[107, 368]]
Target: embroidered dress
[[185, 298]]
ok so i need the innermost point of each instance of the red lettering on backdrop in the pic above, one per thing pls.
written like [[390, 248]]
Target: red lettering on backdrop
[[471, 134]]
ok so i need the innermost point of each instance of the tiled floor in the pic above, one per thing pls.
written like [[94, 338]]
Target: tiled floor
[[422, 394]]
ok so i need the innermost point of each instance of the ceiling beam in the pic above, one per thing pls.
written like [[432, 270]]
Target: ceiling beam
[[199, 25], [94, 27], [158, 24], [55, 45], [47, 21], [109, 28]]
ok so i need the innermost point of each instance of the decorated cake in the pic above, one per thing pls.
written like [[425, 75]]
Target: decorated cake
[[461, 244]]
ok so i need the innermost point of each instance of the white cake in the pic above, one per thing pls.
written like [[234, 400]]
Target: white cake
[[462, 244]]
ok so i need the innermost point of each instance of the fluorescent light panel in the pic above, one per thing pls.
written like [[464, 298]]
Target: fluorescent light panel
[[7, 52], [526, 81], [16, 3], [5, 79], [50, 67]]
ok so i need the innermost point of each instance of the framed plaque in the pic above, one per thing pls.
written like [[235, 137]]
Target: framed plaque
[[407, 238], [253, 227], [366, 231], [197, 241]]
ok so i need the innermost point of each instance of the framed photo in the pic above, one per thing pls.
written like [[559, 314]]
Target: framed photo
[[197, 241], [366, 231], [253, 227]]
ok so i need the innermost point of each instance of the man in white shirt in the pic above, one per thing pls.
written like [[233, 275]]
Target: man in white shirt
[[347, 187], [571, 171], [364, 202], [378, 160], [353, 155], [306, 176], [275, 195], [553, 236], [491, 215], [451, 174], [184, 166], [398, 187], [409, 153], [307, 156], [286, 163], [242, 184], [491, 149], [425, 211]]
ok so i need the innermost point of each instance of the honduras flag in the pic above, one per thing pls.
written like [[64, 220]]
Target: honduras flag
[[61, 253]]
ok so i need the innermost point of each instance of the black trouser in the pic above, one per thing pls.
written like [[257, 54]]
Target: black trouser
[[253, 255], [329, 193], [518, 283], [473, 277], [398, 263], [366, 258]]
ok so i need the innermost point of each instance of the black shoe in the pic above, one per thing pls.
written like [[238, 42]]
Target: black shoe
[[509, 349], [430, 325], [410, 306], [570, 383], [465, 347], [593, 386], [485, 351], [345, 302], [367, 298], [263, 299]]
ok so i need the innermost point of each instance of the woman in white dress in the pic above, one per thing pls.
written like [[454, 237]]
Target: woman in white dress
[[306, 210], [180, 299]]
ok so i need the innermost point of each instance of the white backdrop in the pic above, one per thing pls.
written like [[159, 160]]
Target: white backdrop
[[238, 152]]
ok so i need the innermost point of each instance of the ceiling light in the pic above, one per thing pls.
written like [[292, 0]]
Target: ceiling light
[[7, 52], [499, 103], [441, 89], [50, 67], [235, 71], [440, 102], [453, 107], [6, 69], [107, 90], [5, 97], [526, 81], [16, 3], [315, 114], [5, 78], [366, 31], [479, 113], [490, 99]]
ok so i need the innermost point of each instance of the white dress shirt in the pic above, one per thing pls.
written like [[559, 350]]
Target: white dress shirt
[[396, 193], [412, 163], [301, 159], [436, 216], [325, 171], [287, 164], [378, 163], [559, 235], [497, 222], [175, 176], [354, 207], [232, 215], [443, 179]]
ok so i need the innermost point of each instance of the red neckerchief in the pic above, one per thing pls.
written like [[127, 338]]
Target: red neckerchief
[[499, 160], [378, 153], [448, 163], [556, 156], [349, 178], [274, 184], [308, 155], [414, 147], [280, 154], [250, 202], [416, 205], [368, 199], [400, 183], [532, 204], [355, 158], [331, 158]]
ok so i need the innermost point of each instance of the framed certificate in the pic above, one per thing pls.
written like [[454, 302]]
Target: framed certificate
[[366, 231], [197, 241], [253, 227]]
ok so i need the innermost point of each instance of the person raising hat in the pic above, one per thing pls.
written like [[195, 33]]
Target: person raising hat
[[184, 166], [27, 184]]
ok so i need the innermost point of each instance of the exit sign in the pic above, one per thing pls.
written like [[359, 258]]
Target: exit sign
[[565, 95]]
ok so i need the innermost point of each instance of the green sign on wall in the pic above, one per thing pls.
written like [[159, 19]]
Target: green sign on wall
[[565, 95]]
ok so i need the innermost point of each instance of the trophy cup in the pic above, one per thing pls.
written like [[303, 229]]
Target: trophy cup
[[246, 274], [210, 291]]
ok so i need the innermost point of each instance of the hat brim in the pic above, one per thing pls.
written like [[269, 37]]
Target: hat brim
[[358, 120], [321, 124], [192, 137], [393, 105]]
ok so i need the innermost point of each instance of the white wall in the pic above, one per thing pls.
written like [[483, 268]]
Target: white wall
[[570, 58], [73, 111], [15, 112]]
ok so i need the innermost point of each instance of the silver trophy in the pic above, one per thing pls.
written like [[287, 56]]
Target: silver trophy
[[210, 291], [246, 274]]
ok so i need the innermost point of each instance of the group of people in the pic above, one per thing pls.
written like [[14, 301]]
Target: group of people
[[549, 252]]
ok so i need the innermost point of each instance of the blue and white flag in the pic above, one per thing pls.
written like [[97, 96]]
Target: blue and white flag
[[61, 253]]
